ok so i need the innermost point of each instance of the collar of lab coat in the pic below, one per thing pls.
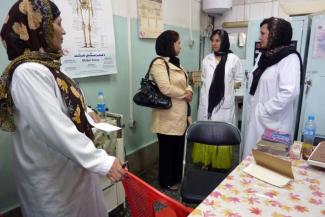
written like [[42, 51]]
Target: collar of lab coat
[[211, 60]]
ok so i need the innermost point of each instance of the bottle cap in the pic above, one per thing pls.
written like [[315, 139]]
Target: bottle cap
[[311, 117]]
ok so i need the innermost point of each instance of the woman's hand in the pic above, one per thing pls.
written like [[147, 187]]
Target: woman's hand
[[95, 117], [117, 172], [188, 96]]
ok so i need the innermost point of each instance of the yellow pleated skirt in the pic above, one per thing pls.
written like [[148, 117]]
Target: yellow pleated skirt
[[219, 157]]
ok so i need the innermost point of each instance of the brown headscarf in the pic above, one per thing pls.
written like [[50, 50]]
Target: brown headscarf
[[26, 34], [280, 33]]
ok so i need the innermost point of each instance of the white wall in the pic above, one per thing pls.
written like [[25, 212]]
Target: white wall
[[245, 10], [175, 12]]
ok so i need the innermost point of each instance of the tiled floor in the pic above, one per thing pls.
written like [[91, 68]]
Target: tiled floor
[[151, 178]]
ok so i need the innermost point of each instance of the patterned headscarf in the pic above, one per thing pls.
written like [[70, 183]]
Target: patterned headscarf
[[26, 34], [280, 32]]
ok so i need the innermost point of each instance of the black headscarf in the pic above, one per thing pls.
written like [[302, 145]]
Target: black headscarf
[[280, 33], [165, 46], [217, 88]]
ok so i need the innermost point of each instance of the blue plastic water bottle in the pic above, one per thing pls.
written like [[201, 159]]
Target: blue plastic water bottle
[[309, 136], [101, 106], [310, 130]]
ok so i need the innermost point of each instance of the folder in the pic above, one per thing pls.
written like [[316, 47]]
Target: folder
[[317, 157], [270, 169]]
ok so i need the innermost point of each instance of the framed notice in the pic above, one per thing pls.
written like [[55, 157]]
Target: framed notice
[[150, 18], [319, 48], [89, 43]]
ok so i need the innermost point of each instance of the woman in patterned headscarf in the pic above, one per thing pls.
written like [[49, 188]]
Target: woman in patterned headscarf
[[55, 161], [274, 83]]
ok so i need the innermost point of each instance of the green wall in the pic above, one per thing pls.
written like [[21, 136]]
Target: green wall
[[116, 87], [116, 90], [8, 198]]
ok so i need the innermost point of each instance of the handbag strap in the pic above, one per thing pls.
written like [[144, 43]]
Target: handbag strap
[[147, 75]]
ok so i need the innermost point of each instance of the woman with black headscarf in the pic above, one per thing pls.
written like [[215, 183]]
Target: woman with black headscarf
[[274, 83], [56, 164], [221, 73], [171, 124]]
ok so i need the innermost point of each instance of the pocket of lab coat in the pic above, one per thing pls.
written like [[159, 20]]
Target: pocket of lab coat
[[266, 120], [228, 103]]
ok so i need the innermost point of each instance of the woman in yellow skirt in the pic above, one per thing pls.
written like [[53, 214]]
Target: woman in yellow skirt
[[221, 74]]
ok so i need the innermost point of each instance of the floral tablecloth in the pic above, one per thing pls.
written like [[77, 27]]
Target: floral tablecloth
[[242, 195]]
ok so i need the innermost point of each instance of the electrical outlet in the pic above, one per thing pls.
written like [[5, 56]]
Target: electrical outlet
[[191, 43], [132, 123]]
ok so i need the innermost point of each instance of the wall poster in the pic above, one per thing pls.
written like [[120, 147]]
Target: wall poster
[[150, 18], [319, 48], [89, 43]]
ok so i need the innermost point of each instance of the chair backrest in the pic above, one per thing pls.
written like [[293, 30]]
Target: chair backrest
[[142, 197], [213, 133]]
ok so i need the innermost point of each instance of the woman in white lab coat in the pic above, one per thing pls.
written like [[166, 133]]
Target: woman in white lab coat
[[221, 73], [56, 164], [274, 83]]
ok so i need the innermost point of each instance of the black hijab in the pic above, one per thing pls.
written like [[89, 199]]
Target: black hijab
[[165, 46], [280, 33], [217, 88]]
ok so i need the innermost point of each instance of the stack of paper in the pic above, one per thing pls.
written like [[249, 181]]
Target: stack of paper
[[275, 142], [277, 136], [273, 147]]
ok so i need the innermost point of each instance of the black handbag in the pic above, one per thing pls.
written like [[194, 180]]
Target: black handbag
[[149, 94]]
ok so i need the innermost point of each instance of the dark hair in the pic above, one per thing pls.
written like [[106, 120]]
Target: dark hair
[[55, 10], [225, 44], [165, 43], [280, 32]]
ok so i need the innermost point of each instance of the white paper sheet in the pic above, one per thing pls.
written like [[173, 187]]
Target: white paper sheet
[[267, 175], [102, 125]]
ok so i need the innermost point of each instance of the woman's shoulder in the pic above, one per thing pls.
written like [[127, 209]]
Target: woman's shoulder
[[292, 60], [233, 57], [208, 57], [161, 61], [31, 66], [29, 69], [293, 57]]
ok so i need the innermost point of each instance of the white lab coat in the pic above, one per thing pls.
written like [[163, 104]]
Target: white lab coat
[[233, 73], [272, 105], [55, 166]]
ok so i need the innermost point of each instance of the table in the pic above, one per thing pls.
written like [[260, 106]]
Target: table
[[242, 195]]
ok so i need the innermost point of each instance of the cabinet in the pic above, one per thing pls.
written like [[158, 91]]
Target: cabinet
[[113, 144]]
